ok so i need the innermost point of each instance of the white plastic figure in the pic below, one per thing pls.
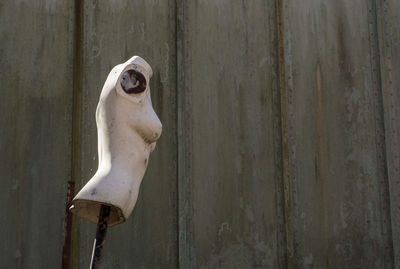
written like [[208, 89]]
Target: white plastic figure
[[127, 129]]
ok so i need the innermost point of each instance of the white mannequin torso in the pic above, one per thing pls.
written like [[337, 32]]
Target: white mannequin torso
[[127, 132]]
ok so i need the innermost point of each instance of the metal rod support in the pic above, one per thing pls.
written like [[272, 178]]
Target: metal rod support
[[100, 236]]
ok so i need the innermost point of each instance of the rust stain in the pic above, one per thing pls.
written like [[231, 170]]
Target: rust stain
[[284, 128], [66, 254]]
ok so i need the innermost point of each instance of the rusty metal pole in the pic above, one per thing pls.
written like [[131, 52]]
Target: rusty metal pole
[[66, 253], [100, 236]]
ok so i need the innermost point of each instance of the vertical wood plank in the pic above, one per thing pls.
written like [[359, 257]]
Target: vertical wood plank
[[113, 32], [389, 44], [35, 119], [340, 212], [232, 201]]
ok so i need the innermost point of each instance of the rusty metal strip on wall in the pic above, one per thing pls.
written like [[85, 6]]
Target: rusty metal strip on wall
[[69, 248]]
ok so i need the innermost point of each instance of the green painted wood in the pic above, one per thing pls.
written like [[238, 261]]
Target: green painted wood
[[113, 32], [215, 194], [340, 211], [389, 44], [231, 205], [35, 139]]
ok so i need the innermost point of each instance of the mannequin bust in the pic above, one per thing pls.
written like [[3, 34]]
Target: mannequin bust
[[127, 129]]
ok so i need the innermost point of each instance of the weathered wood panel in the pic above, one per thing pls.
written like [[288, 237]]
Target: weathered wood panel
[[35, 140], [232, 204], [112, 33], [236, 165], [340, 211], [389, 44]]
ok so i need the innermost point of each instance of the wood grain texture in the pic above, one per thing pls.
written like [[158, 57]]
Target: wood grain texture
[[35, 140], [113, 32], [281, 132], [340, 209], [231, 83]]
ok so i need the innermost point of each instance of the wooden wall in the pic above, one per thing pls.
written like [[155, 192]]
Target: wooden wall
[[281, 139], [36, 81]]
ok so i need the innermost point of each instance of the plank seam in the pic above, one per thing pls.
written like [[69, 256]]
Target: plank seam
[[384, 57]]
